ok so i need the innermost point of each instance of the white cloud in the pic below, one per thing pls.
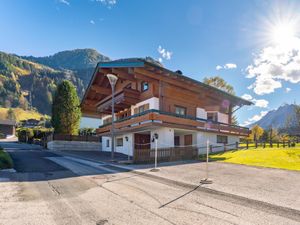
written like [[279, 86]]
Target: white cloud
[[165, 54], [226, 66], [218, 67], [247, 97], [108, 3], [262, 103], [273, 65], [254, 118], [230, 66], [64, 2], [92, 22], [287, 90]]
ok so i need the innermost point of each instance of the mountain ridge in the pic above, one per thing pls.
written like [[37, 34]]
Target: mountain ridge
[[32, 78], [278, 118]]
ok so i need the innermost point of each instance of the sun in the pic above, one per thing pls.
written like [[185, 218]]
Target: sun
[[283, 34]]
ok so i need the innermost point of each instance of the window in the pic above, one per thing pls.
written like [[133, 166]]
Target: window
[[119, 142], [107, 143], [145, 86], [180, 110], [141, 108], [212, 116], [222, 139]]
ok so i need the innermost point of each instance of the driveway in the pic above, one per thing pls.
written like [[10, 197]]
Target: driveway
[[70, 190]]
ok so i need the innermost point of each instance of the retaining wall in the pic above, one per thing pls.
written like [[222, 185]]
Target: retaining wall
[[74, 146]]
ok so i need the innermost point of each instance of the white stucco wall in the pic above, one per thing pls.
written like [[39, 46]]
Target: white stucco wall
[[153, 104], [223, 118], [165, 137], [201, 113], [127, 147], [202, 138]]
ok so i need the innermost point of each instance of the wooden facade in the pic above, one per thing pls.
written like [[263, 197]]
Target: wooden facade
[[178, 95]]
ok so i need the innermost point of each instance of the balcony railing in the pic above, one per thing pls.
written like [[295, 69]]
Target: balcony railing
[[157, 117], [123, 99]]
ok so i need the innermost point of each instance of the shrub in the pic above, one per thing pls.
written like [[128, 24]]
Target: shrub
[[5, 160], [25, 135]]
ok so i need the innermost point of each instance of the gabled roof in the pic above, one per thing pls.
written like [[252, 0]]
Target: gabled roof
[[156, 69]]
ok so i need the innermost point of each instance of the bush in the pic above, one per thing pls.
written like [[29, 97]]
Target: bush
[[30, 134], [5, 160], [25, 135], [293, 144]]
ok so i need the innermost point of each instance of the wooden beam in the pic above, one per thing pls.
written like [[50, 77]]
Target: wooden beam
[[101, 90], [142, 77], [90, 102], [123, 74]]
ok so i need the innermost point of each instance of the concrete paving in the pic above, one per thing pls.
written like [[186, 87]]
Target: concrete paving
[[78, 191], [274, 186]]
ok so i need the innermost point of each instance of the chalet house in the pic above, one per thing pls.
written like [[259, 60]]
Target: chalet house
[[150, 99]]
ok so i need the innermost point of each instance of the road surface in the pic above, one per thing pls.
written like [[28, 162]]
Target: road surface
[[51, 189]]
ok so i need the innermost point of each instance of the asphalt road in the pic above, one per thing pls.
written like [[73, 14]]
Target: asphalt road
[[50, 189]]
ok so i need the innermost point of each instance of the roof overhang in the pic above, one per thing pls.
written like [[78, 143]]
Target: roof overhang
[[127, 68]]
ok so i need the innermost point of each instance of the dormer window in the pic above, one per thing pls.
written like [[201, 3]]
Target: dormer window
[[145, 86]]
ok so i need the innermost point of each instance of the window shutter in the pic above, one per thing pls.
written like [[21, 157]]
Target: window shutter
[[146, 106]]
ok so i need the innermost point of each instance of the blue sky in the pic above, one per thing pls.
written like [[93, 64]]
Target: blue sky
[[251, 44]]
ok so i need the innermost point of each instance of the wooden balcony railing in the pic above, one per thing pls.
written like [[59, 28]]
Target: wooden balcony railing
[[165, 154], [123, 99], [156, 117]]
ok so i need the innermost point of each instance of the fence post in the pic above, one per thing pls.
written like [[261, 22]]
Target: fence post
[[247, 144], [277, 144], [289, 143], [264, 145], [237, 145], [255, 143]]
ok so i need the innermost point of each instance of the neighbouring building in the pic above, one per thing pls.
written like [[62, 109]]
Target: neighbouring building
[[30, 123], [8, 127], [150, 99]]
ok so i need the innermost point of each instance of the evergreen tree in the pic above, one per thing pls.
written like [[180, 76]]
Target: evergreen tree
[[65, 109]]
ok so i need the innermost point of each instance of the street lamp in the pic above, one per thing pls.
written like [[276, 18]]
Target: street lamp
[[112, 80]]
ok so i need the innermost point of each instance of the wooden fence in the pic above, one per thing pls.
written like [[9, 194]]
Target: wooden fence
[[165, 154], [262, 144]]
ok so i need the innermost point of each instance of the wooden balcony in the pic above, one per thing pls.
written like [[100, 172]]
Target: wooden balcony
[[157, 118], [123, 99]]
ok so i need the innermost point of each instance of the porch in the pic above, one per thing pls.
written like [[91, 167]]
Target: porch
[[173, 145]]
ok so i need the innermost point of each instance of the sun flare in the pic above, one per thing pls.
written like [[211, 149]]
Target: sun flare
[[283, 34]]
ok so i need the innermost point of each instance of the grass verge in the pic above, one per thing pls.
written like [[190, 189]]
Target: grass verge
[[288, 158], [5, 160]]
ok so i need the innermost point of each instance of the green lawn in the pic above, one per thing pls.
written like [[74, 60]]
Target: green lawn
[[283, 158], [5, 160]]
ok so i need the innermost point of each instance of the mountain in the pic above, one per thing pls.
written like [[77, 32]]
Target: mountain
[[278, 118], [24, 79], [77, 59]]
